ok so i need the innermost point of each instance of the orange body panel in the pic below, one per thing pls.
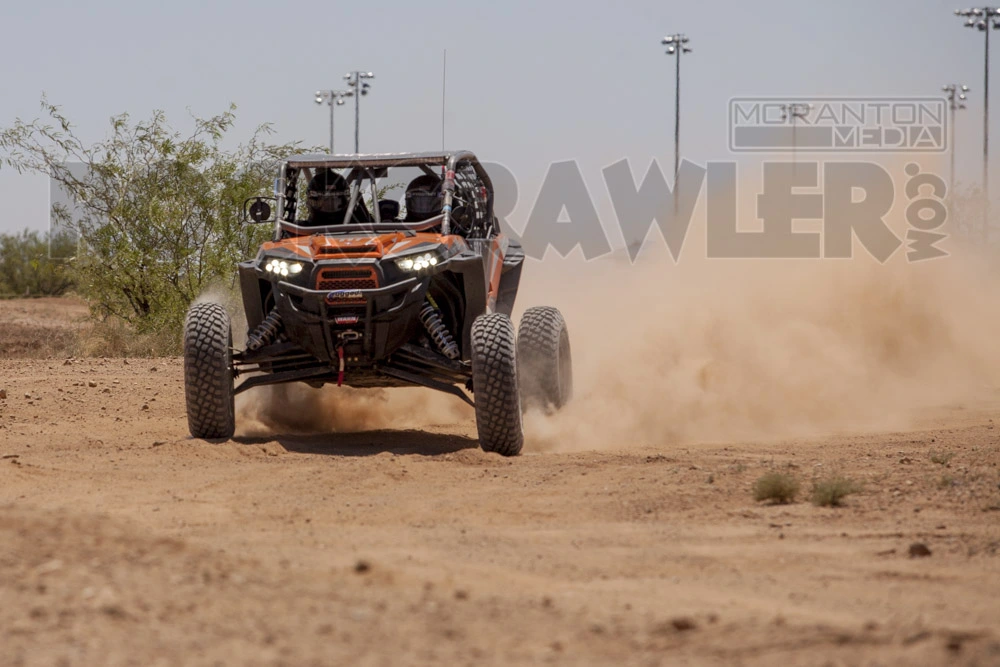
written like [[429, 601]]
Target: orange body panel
[[494, 268], [356, 246]]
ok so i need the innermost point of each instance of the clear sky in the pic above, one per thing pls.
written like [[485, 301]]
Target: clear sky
[[528, 82]]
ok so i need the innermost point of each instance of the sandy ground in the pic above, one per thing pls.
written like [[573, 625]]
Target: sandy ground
[[122, 541]]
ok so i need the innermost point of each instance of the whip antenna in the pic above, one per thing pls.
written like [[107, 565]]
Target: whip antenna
[[444, 85]]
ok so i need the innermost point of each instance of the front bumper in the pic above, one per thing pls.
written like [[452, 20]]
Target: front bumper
[[370, 324]]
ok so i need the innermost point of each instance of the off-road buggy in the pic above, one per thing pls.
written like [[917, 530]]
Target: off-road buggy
[[355, 294]]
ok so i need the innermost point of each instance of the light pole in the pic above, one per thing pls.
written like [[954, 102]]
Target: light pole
[[359, 87], [333, 98], [982, 19], [956, 102], [676, 45], [794, 111]]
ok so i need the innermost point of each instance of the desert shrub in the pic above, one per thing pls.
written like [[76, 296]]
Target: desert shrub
[[776, 487], [942, 458], [831, 491]]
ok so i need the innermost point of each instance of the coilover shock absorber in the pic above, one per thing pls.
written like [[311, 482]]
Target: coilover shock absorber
[[266, 332], [430, 316]]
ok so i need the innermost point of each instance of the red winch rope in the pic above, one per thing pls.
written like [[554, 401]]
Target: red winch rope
[[340, 373]]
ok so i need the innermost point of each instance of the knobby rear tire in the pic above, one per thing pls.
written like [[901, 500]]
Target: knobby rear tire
[[545, 364]]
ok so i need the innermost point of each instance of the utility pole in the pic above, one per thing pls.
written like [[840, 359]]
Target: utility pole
[[334, 98], [982, 19], [359, 87], [676, 45]]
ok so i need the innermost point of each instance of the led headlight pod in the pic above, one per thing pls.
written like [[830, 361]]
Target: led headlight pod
[[280, 267], [417, 263]]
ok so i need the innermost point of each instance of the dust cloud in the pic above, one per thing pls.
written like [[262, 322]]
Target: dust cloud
[[298, 408], [705, 350]]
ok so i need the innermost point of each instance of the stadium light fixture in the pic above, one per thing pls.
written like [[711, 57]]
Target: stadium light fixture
[[333, 98], [676, 47]]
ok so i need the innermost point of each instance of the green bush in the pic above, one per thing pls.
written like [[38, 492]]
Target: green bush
[[157, 210]]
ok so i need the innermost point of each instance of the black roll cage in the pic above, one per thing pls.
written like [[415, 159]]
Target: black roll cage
[[373, 166]]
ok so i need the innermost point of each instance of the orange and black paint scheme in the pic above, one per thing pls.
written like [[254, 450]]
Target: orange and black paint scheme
[[377, 304]]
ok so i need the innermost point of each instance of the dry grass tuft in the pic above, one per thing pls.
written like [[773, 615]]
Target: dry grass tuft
[[777, 487], [115, 338], [831, 491], [32, 341]]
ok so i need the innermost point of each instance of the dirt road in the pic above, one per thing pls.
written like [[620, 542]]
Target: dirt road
[[124, 542]]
